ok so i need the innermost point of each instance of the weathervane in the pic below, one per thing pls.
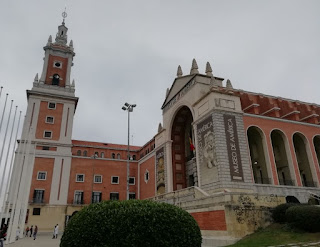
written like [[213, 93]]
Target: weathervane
[[64, 14]]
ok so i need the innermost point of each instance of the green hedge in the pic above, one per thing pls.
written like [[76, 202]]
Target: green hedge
[[304, 217], [279, 212], [131, 223]]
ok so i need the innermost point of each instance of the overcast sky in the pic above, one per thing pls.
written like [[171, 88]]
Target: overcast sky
[[129, 51]]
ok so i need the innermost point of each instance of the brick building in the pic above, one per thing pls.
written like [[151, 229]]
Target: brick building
[[223, 154]]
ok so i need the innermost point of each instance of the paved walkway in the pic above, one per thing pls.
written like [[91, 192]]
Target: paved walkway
[[315, 244], [43, 240]]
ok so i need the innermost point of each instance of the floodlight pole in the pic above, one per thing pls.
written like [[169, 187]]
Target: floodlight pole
[[129, 108]]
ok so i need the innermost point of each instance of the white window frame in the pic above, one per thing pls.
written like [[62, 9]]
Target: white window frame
[[134, 181], [95, 191], [114, 177], [77, 178], [41, 178], [132, 193], [55, 105], [54, 64], [74, 195], [48, 121], [94, 179], [145, 173], [114, 193], [44, 134]]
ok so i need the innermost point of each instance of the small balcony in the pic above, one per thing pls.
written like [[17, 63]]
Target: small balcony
[[77, 202], [37, 201]]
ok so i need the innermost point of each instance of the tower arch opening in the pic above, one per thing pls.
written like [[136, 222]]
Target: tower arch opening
[[257, 154], [183, 160]]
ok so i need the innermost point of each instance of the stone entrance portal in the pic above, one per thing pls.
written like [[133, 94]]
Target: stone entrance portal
[[181, 136]]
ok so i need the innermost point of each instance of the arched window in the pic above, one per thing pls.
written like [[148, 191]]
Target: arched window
[[300, 147], [79, 153], [134, 157], [55, 79], [257, 149], [85, 153], [102, 154], [96, 154], [280, 156], [113, 156], [118, 156]]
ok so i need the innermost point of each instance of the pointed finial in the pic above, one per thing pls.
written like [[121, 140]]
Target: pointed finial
[[208, 69], [229, 85], [167, 92], [49, 40], [194, 68], [159, 127], [36, 78], [73, 84], [71, 43], [179, 72]]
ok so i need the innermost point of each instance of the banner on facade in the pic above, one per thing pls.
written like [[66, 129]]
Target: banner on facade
[[205, 142], [160, 171], [233, 148]]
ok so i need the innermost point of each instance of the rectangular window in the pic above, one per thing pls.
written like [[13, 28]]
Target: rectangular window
[[49, 120], [47, 134], [114, 196], [132, 180], [114, 180], [51, 105], [132, 196], [78, 197], [45, 148], [98, 179], [42, 176], [38, 196], [96, 197], [36, 211], [79, 177]]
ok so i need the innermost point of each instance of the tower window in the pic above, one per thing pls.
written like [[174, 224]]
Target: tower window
[[47, 134], [57, 64], [42, 175], [55, 80], [115, 180], [49, 120], [51, 105]]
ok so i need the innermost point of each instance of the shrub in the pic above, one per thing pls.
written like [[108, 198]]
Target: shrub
[[131, 223], [304, 217], [279, 212]]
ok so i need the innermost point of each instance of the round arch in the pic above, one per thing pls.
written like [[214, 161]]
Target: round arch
[[282, 158], [302, 152], [259, 155], [182, 135], [316, 145]]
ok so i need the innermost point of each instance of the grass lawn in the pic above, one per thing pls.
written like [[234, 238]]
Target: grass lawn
[[276, 234]]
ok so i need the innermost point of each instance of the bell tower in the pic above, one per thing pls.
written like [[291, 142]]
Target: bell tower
[[43, 159]]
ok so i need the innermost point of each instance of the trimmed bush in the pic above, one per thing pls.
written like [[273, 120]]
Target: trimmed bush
[[279, 212], [131, 223], [304, 217]]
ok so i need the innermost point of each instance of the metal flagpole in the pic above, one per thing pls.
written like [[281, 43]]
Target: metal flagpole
[[4, 110], [12, 173], [5, 165], [2, 149]]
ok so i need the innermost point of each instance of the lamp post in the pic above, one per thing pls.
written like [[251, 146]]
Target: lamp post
[[129, 108]]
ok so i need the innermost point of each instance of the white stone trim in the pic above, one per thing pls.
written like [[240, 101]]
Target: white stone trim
[[94, 178], [48, 121], [115, 177], [45, 172], [77, 181], [44, 134]]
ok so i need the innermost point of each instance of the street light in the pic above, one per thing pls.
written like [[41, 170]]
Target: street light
[[129, 108]]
